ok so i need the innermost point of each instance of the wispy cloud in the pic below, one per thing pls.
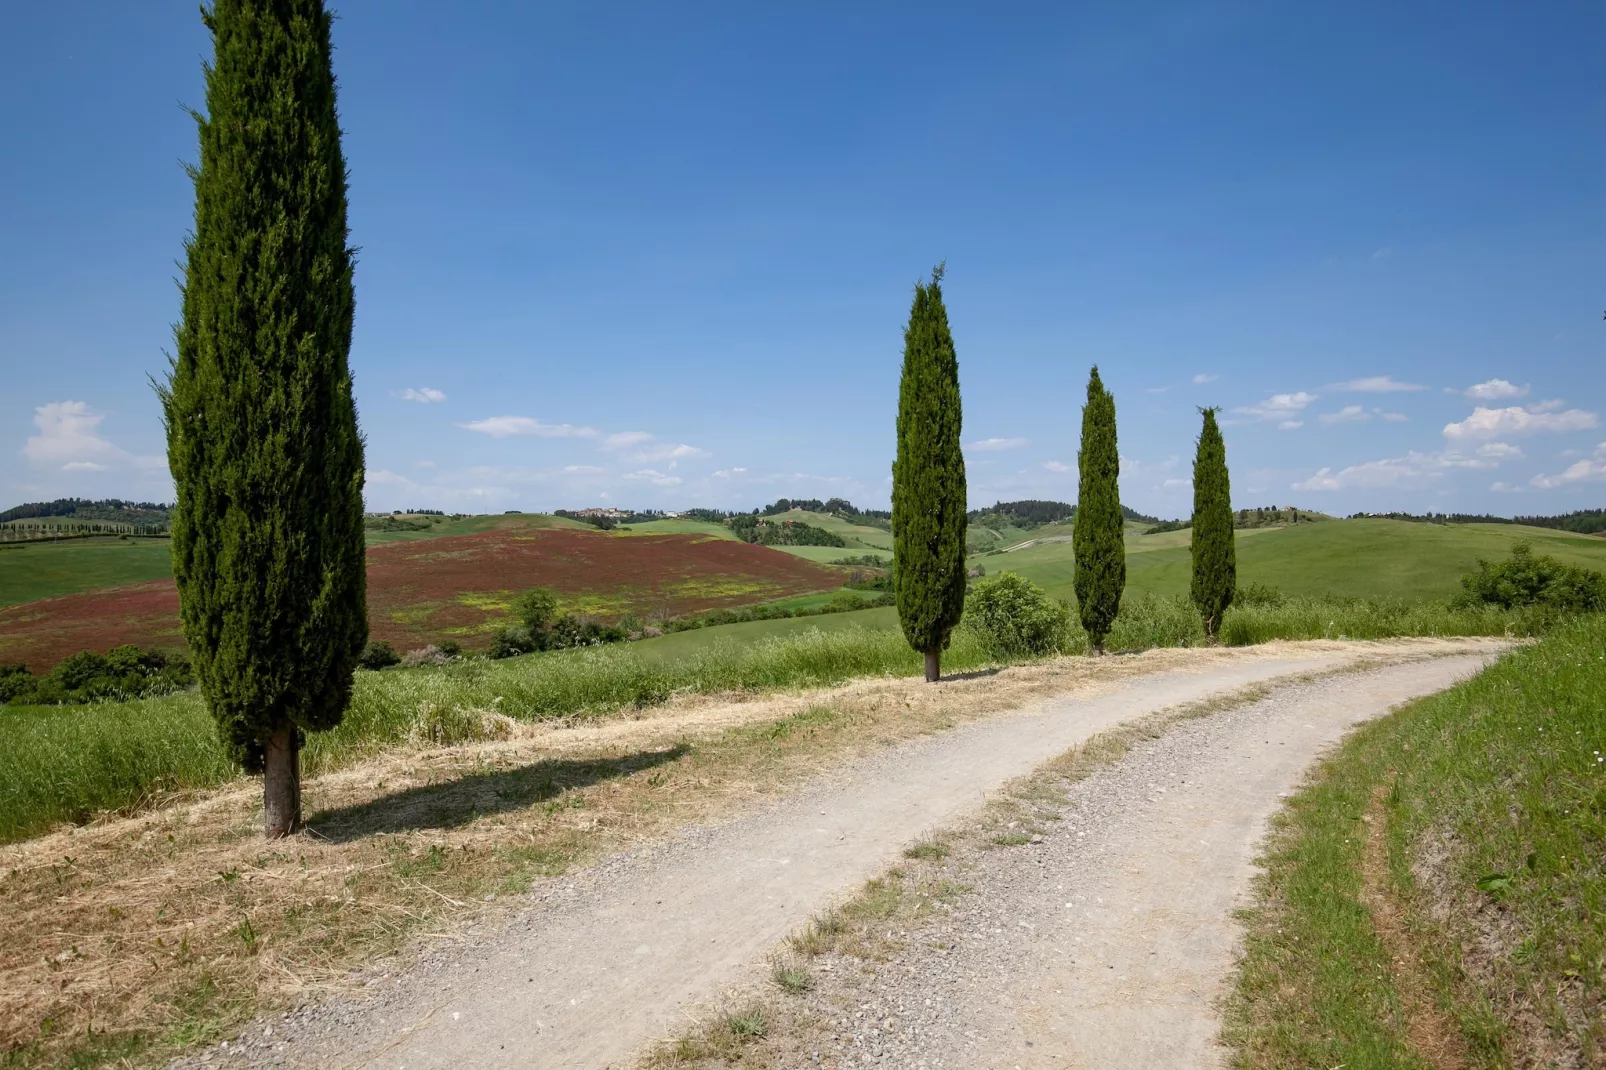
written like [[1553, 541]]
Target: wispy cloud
[[1500, 451], [1376, 384], [1588, 470], [1515, 420], [1349, 414], [426, 395], [1204, 377], [1493, 390], [668, 451], [1383, 253], [1413, 470], [1283, 408], [995, 445], [727, 473], [506, 426], [655, 477], [1058, 466], [620, 440]]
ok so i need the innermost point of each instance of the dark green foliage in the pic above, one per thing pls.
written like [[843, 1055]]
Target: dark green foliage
[[1258, 594], [784, 533], [1527, 579], [542, 627], [113, 509], [378, 654], [122, 672], [1023, 514], [262, 435], [1016, 618], [1098, 536], [1215, 556], [928, 477], [841, 602]]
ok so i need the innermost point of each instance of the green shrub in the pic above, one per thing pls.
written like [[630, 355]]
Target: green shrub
[[378, 654], [536, 609], [1527, 579], [1258, 594], [123, 672], [1016, 618]]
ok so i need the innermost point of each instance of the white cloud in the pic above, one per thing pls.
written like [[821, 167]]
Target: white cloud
[[1500, 451], [1347, 415], [655, 477], [1391, 417], [67, 438], [1280, 407], [583, 469], [668, 451], [1383, 253], [1504, 488], [624, 439], [504, 426], [726, 473], [1553, 405], [1494, 390], [1204, 377], [427, 395], [1414, 469], [1499, 423], [1058, 466], [1290, 425], [1376, 384], [993, 445], [1173, 484], [1588, 470], [1157, 389]]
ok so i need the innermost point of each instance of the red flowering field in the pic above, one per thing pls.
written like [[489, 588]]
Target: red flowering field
[[456, 587]]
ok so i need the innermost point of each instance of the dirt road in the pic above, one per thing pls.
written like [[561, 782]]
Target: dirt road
[[619, 956]]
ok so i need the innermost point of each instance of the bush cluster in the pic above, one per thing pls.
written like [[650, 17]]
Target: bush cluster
[[122, 672], [1526, 579], [1015, 618], [542, 627], [786, 533]]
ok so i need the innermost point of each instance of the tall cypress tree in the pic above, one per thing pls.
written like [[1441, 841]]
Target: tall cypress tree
[[262, 435], [1098, 532], [928, 481], [1215, 559]]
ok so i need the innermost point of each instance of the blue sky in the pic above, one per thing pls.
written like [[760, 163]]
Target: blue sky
[[661, 255]]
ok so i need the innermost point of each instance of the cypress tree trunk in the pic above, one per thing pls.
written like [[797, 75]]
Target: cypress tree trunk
[[1098, 534], [262, 435], [928, 482], [1215, 562]]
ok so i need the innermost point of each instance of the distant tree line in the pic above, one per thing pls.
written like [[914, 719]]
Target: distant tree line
[[1032, 513], [87, 509], [1582, 521], [782, 533]]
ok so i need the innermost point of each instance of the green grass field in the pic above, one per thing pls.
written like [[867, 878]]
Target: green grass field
[[473, 525], [1335, 558], [1491, 801], [30, 571], [678, 527]]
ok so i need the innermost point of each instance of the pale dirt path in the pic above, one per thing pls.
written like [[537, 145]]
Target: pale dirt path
[[617, 961], [1108, 945]]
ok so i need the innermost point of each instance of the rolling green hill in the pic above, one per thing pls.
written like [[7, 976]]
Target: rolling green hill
[[1362, 558], [678, 527]]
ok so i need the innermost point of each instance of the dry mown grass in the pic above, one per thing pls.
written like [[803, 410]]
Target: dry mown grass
[[143, 935]]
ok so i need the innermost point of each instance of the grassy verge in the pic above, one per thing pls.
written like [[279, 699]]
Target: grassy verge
[[1437, 896], [67, 764]]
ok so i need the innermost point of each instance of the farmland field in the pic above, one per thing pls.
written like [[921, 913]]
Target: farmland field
[[30, 571], [458, 586], [1338, 558]]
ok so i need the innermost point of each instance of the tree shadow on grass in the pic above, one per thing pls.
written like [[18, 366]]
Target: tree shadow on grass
[[457, 802]]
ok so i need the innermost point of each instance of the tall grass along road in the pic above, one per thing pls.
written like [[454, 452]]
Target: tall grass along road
[[616, 959], [1436, 897], [70, 764]]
